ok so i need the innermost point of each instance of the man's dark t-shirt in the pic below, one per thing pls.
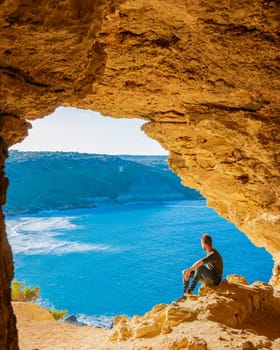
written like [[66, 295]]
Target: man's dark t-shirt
[[214, 262]]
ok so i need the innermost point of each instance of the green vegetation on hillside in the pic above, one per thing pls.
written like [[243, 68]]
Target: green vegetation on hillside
[[21, 292], [58, 180]]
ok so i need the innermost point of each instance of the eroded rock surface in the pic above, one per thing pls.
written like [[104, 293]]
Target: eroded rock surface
[[233, 304], [204, 74]]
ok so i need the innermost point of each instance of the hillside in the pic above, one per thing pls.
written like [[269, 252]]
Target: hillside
[[59, 180]]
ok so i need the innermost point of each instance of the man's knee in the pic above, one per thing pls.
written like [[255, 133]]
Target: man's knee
[[190, 275], [183, 275]]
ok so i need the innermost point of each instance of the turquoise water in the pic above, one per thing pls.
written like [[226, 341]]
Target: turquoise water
[[123, 259]]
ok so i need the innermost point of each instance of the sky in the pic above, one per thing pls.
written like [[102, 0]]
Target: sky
[[84, 131]]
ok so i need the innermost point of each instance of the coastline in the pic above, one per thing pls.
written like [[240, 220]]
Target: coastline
[[100, 205], [187, 325]]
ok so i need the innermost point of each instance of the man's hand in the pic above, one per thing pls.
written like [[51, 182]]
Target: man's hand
[[187, 274]]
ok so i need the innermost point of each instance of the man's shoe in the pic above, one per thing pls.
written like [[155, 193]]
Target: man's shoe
[[189, 291]]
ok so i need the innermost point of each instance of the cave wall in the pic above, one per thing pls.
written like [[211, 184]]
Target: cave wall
[[204, 75], [8, 332]]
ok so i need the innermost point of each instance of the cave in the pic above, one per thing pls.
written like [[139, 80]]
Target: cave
[[204, 75]]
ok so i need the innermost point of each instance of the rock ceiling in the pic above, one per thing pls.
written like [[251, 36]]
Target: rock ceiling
[[205, 75]]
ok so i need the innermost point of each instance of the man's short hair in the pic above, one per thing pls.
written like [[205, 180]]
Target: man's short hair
[[207, 239]]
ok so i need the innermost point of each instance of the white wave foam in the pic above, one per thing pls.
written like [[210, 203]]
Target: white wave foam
[[101, 321], [35, 224], [96, 321], [32, 236]]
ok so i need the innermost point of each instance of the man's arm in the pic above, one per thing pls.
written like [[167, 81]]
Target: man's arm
[[188, 271]]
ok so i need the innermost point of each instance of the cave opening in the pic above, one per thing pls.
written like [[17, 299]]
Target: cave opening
[[59, 248], [203, 73], [84, 131]]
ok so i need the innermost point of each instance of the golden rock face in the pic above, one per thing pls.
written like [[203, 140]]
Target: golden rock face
[[204, 75], [231, 304]]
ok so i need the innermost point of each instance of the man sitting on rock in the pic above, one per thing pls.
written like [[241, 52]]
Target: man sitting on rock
[[208, 270]]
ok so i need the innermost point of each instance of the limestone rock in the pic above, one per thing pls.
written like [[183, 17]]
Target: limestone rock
[[8, 332], [180, 344], [122, 331], [204, 75], [147, 329], [237, 279], [247, 345], [231, 304], [176, 315], [196, 343]]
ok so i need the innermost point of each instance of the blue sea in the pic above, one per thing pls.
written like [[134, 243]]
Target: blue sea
[[123, 259]]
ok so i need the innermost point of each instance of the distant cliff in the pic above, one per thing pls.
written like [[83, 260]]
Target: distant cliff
[[58, 180]]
